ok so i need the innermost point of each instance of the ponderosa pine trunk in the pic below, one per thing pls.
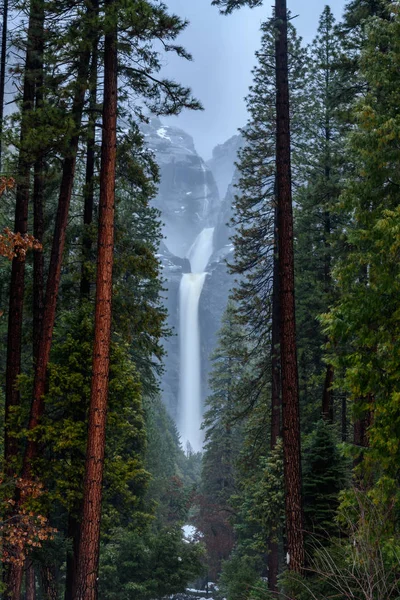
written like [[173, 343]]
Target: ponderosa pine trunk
[[30, 584], [74, 520], [289, 372], [3, 64], [48, 582], [74, 534], [17, 283], [273, 545], [38, 208], [91, 517], [89, 176]]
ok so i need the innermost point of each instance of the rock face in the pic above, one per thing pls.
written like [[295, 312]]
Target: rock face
[[190, 201], [222, 163], [188, 195]]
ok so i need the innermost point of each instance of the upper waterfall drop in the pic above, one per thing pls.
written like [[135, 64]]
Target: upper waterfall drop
[[201, 250], [190, 397]]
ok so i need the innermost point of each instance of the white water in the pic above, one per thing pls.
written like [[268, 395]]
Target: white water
[[190, 406]]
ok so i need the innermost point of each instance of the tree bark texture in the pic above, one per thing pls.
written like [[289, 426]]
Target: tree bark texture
[[17, 283], [289, 372], [90, 529], [74, 532], [3, 65], [273, 546], [48, 582], [30, 583], [38, 208], [89, 176]]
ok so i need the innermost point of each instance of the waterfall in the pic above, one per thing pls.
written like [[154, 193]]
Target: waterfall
[[190, 406]]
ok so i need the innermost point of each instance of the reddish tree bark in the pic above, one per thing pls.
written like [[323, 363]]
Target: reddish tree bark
[[30, 584], [90, 529], [38, 199], [273, 546], [3, 64], [17, 284], [89, 176], [289, 372]]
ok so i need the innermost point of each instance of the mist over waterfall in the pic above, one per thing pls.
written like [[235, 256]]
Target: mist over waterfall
[[190, 401]]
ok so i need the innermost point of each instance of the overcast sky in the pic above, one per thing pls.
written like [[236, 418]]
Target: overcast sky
[[223, 51]]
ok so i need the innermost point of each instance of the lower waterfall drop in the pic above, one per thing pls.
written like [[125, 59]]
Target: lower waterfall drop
[[190, 401]]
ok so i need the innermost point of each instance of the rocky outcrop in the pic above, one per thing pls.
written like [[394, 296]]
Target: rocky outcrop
[[222, 163], [188, 195]]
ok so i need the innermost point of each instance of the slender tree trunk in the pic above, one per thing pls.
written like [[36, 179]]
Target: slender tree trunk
[[74, 522], [17, 284], [289, 372], [74, 533], [89, 178], [3, 64], [90, 531], [48, 581], [327, 395], [273, 546], [38, 201], [30, 584], [276, 405]]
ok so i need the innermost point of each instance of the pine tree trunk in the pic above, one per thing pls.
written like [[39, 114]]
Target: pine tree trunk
[[3, 64], [289, 373], [90, 530], [276, 405], [89, 177], [48, 581], [17, 284], [30, 584], [74, 533], [273, 546], [38, 201]]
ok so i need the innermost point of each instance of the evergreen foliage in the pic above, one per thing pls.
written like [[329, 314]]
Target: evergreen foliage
[[324, 477]]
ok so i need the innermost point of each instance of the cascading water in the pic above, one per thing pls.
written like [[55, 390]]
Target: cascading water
[[190, 409]]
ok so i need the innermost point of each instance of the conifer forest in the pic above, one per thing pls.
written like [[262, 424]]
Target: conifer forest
[[199, 357]]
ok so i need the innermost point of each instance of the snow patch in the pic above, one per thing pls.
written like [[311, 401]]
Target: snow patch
[[162, 133]]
